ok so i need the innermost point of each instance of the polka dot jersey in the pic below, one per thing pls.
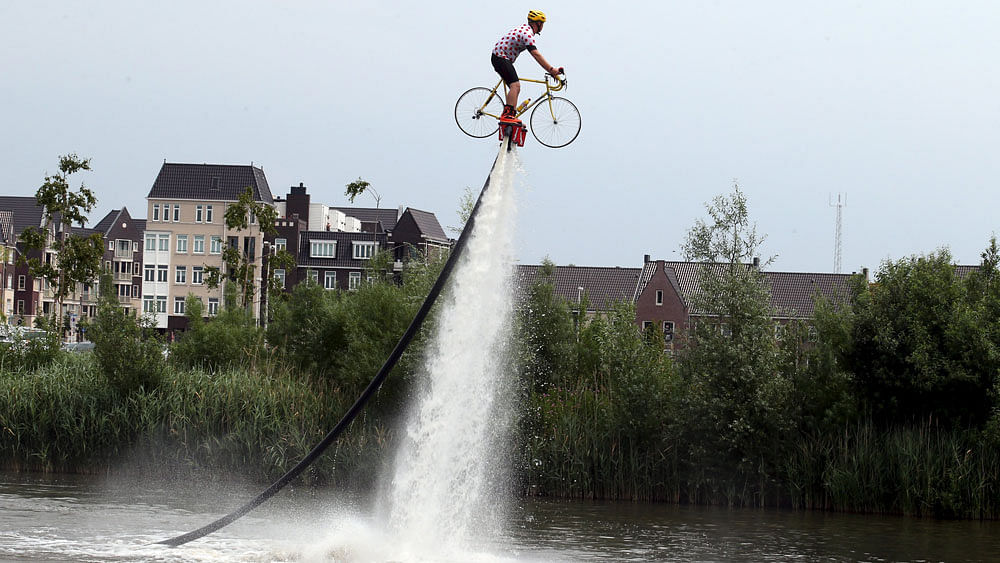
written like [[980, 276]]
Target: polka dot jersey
[[515, 41]]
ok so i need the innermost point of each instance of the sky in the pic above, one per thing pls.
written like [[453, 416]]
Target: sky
[[893, 103]]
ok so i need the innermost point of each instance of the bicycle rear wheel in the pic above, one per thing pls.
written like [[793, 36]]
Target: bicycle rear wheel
[[555, 122], [477, 112]]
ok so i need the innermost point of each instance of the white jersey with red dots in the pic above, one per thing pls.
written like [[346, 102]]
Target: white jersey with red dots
[[515, 41]]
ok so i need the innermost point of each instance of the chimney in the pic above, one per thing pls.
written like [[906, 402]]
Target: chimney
[[645, 258], [865, 272], [298, 201], [756, 263]]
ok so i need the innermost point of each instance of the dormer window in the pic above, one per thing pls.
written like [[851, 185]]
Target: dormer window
[[215, 183], [364, 250]]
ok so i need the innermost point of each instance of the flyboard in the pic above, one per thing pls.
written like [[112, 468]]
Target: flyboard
[[404, 341]]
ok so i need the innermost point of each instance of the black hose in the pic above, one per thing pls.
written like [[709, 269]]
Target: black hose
[[376, 382]]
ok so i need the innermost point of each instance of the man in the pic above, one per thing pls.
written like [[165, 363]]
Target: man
[[505, 52]]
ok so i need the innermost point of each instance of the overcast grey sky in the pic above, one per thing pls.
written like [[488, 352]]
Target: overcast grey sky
[[893, 103]]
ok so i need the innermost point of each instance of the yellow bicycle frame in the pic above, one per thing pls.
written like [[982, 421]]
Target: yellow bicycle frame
[[549, 88]]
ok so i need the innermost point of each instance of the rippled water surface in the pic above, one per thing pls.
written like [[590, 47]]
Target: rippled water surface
[[74, 518]]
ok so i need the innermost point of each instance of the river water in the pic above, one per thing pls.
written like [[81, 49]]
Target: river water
[[86, 518]]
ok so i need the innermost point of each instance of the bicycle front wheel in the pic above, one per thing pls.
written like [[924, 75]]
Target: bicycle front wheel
[[477, 112], [555, 122]]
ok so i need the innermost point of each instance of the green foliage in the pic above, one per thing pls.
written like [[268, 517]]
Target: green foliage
[[77, 258], [28, 350], [925, 342], [127, 348], [546, 346], [231, 339], [240, 264], [358, 187]]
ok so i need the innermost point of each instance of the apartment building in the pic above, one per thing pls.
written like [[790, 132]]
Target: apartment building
[[185, 233]]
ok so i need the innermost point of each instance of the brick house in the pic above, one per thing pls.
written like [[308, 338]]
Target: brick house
[[661, 292], [332, 245], [22, 289], [123, 238]]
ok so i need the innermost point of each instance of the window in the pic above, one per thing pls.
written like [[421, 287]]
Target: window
[[313, 276], [20, 307], [124, 249], [659, 297], [150, 273], [364, 250], [354, 281], [111, 245], [148, 304], [199, 244], [182, 244], [323, 248], [161, 273], [280, 244], [213, 306], [216, 247], [646, 325], [668, 331], [150, 242], [164, 243], [20, 283], [161, 303], [135, 292], [135, 246], [177, 214], [330, 280], [180, 274], [197, 275], [208, 213], [279, 275], [178, 305], [198, 211], [156, 211]]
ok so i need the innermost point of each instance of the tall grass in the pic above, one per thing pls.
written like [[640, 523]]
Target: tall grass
[[66, 417], [574, 451]]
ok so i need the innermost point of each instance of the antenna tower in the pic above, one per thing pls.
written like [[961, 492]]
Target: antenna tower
[[839, 236]]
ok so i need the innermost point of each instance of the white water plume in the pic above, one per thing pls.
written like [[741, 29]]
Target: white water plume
[[451, 465]]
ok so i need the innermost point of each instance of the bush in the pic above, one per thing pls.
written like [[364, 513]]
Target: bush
[[232, 338], [127, 348]]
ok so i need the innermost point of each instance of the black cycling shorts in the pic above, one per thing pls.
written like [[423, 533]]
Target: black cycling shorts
[[505, 69]]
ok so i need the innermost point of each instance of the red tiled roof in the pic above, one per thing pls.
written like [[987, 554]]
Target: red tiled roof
[[603, 285]]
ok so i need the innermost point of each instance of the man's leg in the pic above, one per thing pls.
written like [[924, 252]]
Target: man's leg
[[513, 91]]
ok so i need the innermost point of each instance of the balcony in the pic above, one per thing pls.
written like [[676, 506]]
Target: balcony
[[123, 276]]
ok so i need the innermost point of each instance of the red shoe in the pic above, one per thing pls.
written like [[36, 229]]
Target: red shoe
[[509, 114]]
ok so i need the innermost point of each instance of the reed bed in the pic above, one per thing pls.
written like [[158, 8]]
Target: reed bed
[[66, 417]]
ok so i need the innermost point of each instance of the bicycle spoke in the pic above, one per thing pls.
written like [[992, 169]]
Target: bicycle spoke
[[555, 122]]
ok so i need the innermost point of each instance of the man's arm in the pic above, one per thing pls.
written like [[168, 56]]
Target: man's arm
[[544, 63]]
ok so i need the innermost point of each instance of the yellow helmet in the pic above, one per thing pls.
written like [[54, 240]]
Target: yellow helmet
[[536, 16]]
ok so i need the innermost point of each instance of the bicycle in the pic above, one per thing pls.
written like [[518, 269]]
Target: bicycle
[[555, 121]]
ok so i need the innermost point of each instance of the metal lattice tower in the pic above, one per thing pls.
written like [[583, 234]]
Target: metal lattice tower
[[839, 236]]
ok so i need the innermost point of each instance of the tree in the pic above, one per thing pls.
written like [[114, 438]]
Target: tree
[[239, 264], [77, 258], [359, 186], [731, 362], [925, 342]]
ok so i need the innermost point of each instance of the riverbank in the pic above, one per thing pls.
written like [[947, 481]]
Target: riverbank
[[64, 417]]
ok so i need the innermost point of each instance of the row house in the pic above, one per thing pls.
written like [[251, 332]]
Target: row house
[[23, 294], [185, 232], [332, 245], [123, 239], [23, 297], [662, 292]]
